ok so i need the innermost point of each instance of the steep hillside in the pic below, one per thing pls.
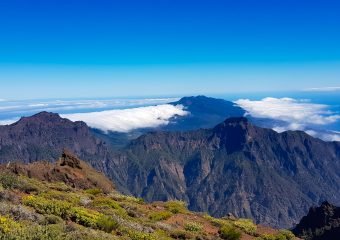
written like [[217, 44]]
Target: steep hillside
[[321, 223], [235, 167], [47, 205], [45, 135]]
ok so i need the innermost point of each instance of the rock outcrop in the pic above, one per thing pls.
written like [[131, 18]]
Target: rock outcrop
[[321, 223]]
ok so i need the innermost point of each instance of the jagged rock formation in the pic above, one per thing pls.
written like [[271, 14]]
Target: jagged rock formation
[[235, 167], [321, 223], [68, 169]]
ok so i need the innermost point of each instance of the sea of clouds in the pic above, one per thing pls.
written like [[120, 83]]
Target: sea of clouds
[[127, 120], [296, 115], [125, 115]]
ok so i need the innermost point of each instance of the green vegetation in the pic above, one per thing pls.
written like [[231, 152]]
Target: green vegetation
[[246, 225], [229, 233], [34, 210], [159, 216], [281, 235], [176, 207], [193, 227]]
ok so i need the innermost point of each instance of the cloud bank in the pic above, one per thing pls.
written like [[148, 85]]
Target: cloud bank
[[127, 120], [297, 114], [12, 110], [323, 89]]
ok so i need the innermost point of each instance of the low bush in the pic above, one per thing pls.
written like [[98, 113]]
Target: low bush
[[85, 217], [7, 225], [176, 207], [246, 225], [105, 202], [9, 181], [286, 235], [159, 216], [107, 224], [180, 234], [193, 227], [93, 191], [48, 206], [281, 235], [229, 233], [52, 219]]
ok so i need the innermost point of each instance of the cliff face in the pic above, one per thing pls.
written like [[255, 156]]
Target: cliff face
[[321, 223], [234, 167]]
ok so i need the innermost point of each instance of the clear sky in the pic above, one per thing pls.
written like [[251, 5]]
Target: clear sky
[[81, 48]]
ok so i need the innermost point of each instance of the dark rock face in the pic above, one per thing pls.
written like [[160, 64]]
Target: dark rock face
[[45, 135], [235, 167], [321, 223]]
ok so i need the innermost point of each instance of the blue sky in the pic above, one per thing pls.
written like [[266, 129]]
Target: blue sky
[[103, 48]]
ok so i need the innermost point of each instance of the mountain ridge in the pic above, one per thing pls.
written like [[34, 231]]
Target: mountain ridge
[[234, 167]]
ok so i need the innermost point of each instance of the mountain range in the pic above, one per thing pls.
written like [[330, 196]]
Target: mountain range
[[216, 165]]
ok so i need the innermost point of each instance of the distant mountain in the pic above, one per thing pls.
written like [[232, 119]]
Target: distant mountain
[[234, 167], [321, 223], [205, 112], [44, 136]]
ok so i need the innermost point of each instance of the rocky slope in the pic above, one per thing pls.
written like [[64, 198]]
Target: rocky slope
[[47, 205], [68, 169], [235, 167], [321, 223], [44, 136]]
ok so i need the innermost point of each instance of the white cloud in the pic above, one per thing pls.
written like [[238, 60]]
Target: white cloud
[[8, 121], [296, 112], [129, 119], [323, 89], [293, 114], [18, 108], [327, 136]]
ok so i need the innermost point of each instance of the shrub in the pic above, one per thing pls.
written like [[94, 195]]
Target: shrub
[[266, 237], [134, 235], [229, 233], [176, 206], [58, 195], [7, 225], [105, 202], [93, 191], [107, 224], [120, 197], [159, 216], [180, 234], [193, 227], [12, 181], [85, 217], [44, 206], [282, 235], [246, 225], [217, 222], [9, 181], [286, 235], [52, 219]]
